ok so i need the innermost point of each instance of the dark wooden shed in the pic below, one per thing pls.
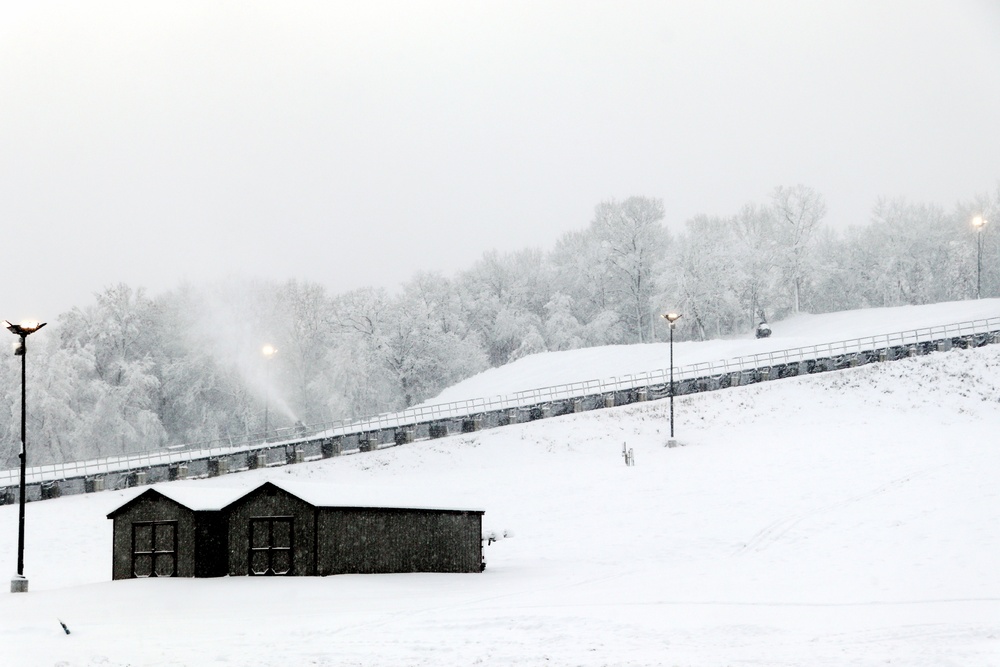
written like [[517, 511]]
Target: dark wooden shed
[[170, 533], [303, 529]]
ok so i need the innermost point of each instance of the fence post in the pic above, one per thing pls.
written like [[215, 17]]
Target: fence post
[[217, 466]]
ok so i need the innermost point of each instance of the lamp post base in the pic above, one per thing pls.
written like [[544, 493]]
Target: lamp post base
[[18, 584], [671, 443]]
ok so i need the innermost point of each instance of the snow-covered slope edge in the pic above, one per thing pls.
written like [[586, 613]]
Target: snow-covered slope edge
[[596, 363]]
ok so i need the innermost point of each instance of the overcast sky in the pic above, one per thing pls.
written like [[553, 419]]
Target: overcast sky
[[355, 143]]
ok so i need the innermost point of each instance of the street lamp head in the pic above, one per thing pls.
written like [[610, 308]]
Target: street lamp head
[[979, 222], [268, 351], [25, 328], [671, 317]]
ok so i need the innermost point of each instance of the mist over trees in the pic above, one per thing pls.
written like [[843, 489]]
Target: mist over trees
[[133, 372]]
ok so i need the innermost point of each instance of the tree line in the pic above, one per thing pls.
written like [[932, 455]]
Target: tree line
[[133, 372]]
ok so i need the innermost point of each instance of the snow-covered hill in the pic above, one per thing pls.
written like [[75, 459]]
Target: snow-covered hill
[[847, 518], [553, 368]]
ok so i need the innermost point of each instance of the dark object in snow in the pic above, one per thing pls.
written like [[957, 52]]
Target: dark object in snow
[[65, 629], [629, 455], [763, 330], [273, 530]]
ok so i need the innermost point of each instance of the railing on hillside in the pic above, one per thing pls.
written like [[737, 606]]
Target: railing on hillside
[[691, 371], [520, 399]]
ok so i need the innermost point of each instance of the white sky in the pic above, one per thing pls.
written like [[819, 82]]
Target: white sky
[[355, 143]]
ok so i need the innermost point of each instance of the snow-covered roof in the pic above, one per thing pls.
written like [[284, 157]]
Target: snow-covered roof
[[395, 497], [207, 499], [197, 498]]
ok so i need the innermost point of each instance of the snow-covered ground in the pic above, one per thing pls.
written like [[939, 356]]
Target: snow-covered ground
[[848, 518]]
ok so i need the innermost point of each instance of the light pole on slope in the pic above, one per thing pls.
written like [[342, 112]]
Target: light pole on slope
[[268, 352], [672, 318], [979, 222], [19, 584]]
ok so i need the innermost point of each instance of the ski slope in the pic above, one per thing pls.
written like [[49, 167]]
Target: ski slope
[[844, 518]]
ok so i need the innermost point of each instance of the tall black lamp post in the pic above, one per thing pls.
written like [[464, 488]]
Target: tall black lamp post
[[672, 318], [19, 584], [979, 222]]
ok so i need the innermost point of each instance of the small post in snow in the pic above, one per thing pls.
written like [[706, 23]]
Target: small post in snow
[[628, 455]]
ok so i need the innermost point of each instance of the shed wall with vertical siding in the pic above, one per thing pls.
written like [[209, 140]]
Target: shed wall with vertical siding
[[392, 540]]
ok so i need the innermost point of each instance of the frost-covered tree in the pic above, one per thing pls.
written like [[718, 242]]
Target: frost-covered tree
[[503, 298], [631, 243], [359, 378], [117, 333], [305, 335], [755, 262], [798, 211], [450, 350], [907, 254], [584, 299], [702, 277], [421, 357]]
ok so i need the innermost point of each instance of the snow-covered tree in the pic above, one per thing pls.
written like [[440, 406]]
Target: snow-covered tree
[[504, 297], [703, 279], [631, 243], [798, 211], [755, 262]]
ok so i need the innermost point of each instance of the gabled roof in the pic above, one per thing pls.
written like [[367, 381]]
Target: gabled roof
[[338, 495], [207, 499], [194, 499]]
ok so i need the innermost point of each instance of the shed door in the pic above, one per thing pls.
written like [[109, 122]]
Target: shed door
[[271, 545], [154, 549]]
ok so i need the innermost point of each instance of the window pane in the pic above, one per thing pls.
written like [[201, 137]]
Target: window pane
[[282, 533], [258, 562], [258, 534], [143, 537], [142, 566], [165, 565], [164, 535], [281, 561]]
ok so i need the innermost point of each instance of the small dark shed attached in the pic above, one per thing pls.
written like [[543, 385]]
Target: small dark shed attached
[[290, 529]]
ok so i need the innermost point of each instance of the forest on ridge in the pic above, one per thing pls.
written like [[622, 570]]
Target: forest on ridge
[[135, 372]]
